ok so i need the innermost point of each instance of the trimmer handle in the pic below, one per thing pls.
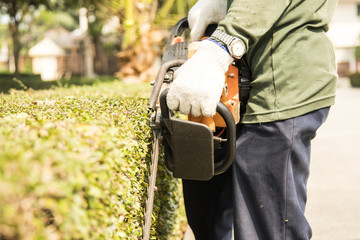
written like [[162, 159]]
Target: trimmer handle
[[224, 164], [183, 24], [225, 113], [178, 29]]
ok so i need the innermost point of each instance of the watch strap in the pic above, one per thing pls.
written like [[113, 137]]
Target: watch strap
[[219, 44], [225, 38], [231, 43]]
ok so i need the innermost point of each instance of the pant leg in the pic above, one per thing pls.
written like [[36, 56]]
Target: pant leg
[[208, 207], [270, 173]]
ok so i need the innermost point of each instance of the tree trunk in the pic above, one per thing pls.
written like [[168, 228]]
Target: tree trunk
[[129, 24], [100, 64], [14, 30], [89, 58]]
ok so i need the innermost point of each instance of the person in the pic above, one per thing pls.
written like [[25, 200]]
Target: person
[[263, 195]]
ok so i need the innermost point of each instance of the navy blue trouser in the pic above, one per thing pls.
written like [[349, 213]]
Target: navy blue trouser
[[264, 194]]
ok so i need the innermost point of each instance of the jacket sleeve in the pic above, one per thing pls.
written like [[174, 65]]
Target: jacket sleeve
[[252, 19]]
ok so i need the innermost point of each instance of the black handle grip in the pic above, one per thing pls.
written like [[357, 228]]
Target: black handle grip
[[224, 164], [178, 29], [225, 113], [163, 104], [183, 24]]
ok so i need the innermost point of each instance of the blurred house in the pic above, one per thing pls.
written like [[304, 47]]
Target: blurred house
[[345, 33], [61, 49], [48, 59], [72, 45]]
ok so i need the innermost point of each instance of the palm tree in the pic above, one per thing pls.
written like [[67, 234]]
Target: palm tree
[[139, 20]]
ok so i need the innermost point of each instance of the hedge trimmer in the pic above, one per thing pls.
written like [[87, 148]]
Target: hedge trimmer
[[189, 144]]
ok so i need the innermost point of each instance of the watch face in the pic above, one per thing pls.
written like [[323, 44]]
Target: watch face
[[237, 49]]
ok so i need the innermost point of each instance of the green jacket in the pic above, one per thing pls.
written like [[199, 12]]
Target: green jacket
[[290, 56]]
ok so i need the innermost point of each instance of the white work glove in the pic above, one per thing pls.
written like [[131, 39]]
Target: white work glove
[[198, 83], [204, 13]]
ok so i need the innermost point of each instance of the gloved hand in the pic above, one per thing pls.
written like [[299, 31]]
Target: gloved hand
[[198, 83], [204, 13]]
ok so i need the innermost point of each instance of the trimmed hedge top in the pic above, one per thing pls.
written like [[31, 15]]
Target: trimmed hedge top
[[74, 165], [33, 81]]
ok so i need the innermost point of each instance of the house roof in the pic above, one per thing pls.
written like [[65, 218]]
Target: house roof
[[46, 47], [61, 37]]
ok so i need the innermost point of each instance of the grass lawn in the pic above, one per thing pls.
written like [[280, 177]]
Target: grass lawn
[[74, 164]]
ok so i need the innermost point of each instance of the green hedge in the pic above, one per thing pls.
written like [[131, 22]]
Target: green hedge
[[74, 165], [355, 79], [32, 81]]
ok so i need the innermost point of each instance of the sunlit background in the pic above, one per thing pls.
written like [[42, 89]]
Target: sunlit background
[[47, 43]]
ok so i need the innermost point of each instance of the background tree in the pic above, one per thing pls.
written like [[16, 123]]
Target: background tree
[[141, 25], [357, 57], [169, 11], [96, 18], [17, 10]]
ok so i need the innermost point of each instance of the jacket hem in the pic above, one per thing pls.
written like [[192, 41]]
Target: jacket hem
[[283, 114]]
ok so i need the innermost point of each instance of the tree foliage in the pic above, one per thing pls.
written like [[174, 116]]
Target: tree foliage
[[139, 22], [17, 10], [357, 53]]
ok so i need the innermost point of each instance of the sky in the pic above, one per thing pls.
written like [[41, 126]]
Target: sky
[[4, 19]]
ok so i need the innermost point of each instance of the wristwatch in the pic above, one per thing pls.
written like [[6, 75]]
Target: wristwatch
[[235, 45]]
